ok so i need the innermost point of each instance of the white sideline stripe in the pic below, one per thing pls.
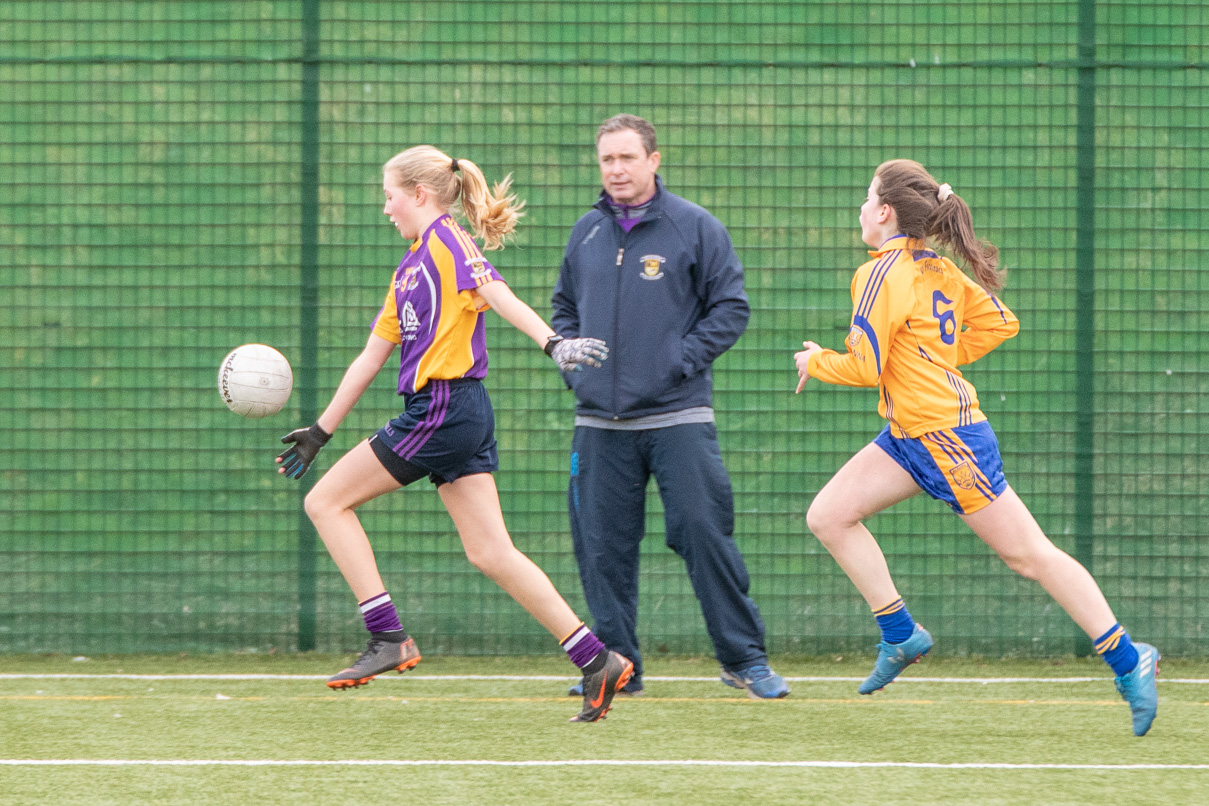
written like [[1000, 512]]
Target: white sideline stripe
[[566, 678], [88, 762]]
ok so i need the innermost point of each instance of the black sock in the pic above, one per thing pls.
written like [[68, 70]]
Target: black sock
[[394, 636], [597, 663]]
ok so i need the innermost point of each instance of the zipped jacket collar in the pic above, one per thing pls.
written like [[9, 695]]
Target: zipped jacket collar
[[656, 208]]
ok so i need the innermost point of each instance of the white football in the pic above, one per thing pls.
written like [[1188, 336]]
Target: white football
[[255, 381]]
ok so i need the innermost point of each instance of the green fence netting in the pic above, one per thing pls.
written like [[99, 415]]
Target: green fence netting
[[179, 178]]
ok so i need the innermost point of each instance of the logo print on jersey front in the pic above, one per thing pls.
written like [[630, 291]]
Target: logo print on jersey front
[[963, 476], [408, 321], [652, 266], [410, 278]]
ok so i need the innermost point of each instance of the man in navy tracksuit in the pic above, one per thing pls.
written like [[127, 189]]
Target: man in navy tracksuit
[[656, 277]]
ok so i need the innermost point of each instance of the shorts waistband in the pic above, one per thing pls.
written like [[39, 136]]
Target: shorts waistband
[[452, 381], [448, 383]]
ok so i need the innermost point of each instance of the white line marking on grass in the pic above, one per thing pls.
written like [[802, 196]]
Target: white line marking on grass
[[566, 678], [88, 762]]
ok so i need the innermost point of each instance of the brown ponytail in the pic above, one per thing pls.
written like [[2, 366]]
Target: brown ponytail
[[907, 186], [491, 213]]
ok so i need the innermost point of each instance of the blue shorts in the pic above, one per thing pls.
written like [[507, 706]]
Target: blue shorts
[[446, 431], [960, 466]]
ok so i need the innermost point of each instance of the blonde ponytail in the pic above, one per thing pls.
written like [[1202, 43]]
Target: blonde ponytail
[[491, 213]]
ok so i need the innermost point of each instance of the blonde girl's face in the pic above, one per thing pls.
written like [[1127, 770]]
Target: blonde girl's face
[[401, 207], [871, 211]]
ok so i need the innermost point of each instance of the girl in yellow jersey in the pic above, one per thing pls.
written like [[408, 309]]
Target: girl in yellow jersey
[[433, 311], [917, 318]]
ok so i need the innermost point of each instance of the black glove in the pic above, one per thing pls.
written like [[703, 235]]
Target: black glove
[[307, 442], [572, 354]]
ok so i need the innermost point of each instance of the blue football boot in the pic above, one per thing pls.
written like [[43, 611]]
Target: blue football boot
[[1139, 690], [759, 681], [893, 658]]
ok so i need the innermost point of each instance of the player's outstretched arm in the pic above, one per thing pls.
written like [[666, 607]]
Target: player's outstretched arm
[[305, 443], [569, 354]]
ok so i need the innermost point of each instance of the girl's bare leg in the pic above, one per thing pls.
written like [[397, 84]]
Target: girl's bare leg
[[356, 478], [474, 504], [1007, 526], [868, 483]]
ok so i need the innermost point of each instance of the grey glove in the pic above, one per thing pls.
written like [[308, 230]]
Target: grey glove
[[572, 354]]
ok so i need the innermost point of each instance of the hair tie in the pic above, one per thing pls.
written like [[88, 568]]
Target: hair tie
[[944, 192], [454, 166]]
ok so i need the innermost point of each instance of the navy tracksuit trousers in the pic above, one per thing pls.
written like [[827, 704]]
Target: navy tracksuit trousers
[[607, 504]]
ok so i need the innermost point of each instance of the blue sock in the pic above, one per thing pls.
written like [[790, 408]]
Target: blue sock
[[1118, 651], [895, 622]]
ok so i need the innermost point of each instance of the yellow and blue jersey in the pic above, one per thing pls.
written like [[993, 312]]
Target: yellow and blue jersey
[[916, 318], [432, 311]]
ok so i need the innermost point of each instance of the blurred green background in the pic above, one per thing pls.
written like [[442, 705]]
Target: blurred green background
[[179, 178]]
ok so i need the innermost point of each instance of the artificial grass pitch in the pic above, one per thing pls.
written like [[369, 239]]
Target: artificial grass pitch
[[453, 732]]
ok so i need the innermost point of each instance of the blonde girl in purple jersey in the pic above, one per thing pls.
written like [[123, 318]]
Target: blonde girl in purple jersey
[[434, 311]]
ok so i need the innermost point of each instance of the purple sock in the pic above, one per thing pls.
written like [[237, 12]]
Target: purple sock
[[582, 646], [380, 614]]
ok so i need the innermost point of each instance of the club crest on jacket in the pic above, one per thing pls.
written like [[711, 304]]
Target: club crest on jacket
[[652, 267]]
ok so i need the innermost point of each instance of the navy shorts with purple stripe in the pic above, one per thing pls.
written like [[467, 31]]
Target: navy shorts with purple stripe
[[446, 431]]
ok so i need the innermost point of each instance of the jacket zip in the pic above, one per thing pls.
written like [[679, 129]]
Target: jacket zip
[[624, 237], [617, 313]]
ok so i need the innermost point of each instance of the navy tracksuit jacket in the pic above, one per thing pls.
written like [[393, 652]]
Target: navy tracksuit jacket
[[668, 298]]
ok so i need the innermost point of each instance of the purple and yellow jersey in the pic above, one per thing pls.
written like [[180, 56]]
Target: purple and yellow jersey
[[916, 318], [431, 309]]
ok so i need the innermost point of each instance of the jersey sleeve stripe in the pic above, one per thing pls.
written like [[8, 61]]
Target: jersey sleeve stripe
[[864, 324], [964, 417], [960, 406], [454, 230], [472, 248], [469, 248], [999, 307], [869, 285], [874, 283]]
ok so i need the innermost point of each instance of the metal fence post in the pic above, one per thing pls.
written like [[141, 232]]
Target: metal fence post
[[308, 287], [1085, 298]]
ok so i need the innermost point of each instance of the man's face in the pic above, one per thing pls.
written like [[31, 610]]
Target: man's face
[[626, 170]]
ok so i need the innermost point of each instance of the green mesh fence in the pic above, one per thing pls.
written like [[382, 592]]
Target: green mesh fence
[[180, 178]]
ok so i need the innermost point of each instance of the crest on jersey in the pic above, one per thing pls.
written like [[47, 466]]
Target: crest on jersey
[[408, 320], [478, 267], [963, 476], [410, 278], [854, 336], [652, 266]]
